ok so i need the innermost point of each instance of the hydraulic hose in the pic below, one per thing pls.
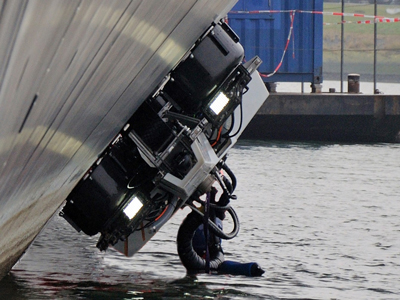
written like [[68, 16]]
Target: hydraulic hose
[[231, 175], [215, 229], [189, 257]]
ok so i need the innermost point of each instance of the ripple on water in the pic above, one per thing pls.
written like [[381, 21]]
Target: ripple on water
[[321, 219]]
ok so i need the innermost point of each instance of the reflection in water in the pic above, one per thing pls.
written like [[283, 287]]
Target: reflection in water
[[321, 219], [12, 287]]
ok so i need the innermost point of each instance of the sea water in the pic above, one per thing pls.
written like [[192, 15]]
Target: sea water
[[322, 220]]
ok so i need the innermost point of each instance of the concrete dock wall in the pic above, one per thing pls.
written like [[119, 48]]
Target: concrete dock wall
[[327, 117]]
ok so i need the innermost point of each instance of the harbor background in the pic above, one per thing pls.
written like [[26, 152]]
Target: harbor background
[[322, 219], [358, 47]]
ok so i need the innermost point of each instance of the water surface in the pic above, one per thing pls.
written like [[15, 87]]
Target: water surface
[[323, 220]]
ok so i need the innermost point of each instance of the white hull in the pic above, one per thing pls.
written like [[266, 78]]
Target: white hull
[[71, 74]]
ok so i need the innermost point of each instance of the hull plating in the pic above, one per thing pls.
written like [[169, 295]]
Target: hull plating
[[71, 74]]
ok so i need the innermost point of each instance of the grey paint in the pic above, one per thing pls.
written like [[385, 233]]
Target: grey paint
[[71, 73]]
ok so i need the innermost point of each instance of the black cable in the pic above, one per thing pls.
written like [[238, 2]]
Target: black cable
[[231, 175], [214, 227], [213, 205], [241, 118], [223, 186], [226, 134]]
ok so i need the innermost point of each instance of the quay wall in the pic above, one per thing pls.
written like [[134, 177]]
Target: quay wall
[[327, 117]]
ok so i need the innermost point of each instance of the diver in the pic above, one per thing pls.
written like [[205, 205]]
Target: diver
[[199, 244]]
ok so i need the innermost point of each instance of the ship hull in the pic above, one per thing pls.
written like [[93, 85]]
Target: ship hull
[[71, 74]]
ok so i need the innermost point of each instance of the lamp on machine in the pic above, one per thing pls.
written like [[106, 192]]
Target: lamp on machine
[[209, 80], [133, 207], [227, 97], [219, 103]]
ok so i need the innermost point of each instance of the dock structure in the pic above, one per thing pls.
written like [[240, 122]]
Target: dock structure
[[285, 35], [327, 117]]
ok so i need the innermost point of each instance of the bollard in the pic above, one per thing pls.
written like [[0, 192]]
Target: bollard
[[353, 81], [316, 88]]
